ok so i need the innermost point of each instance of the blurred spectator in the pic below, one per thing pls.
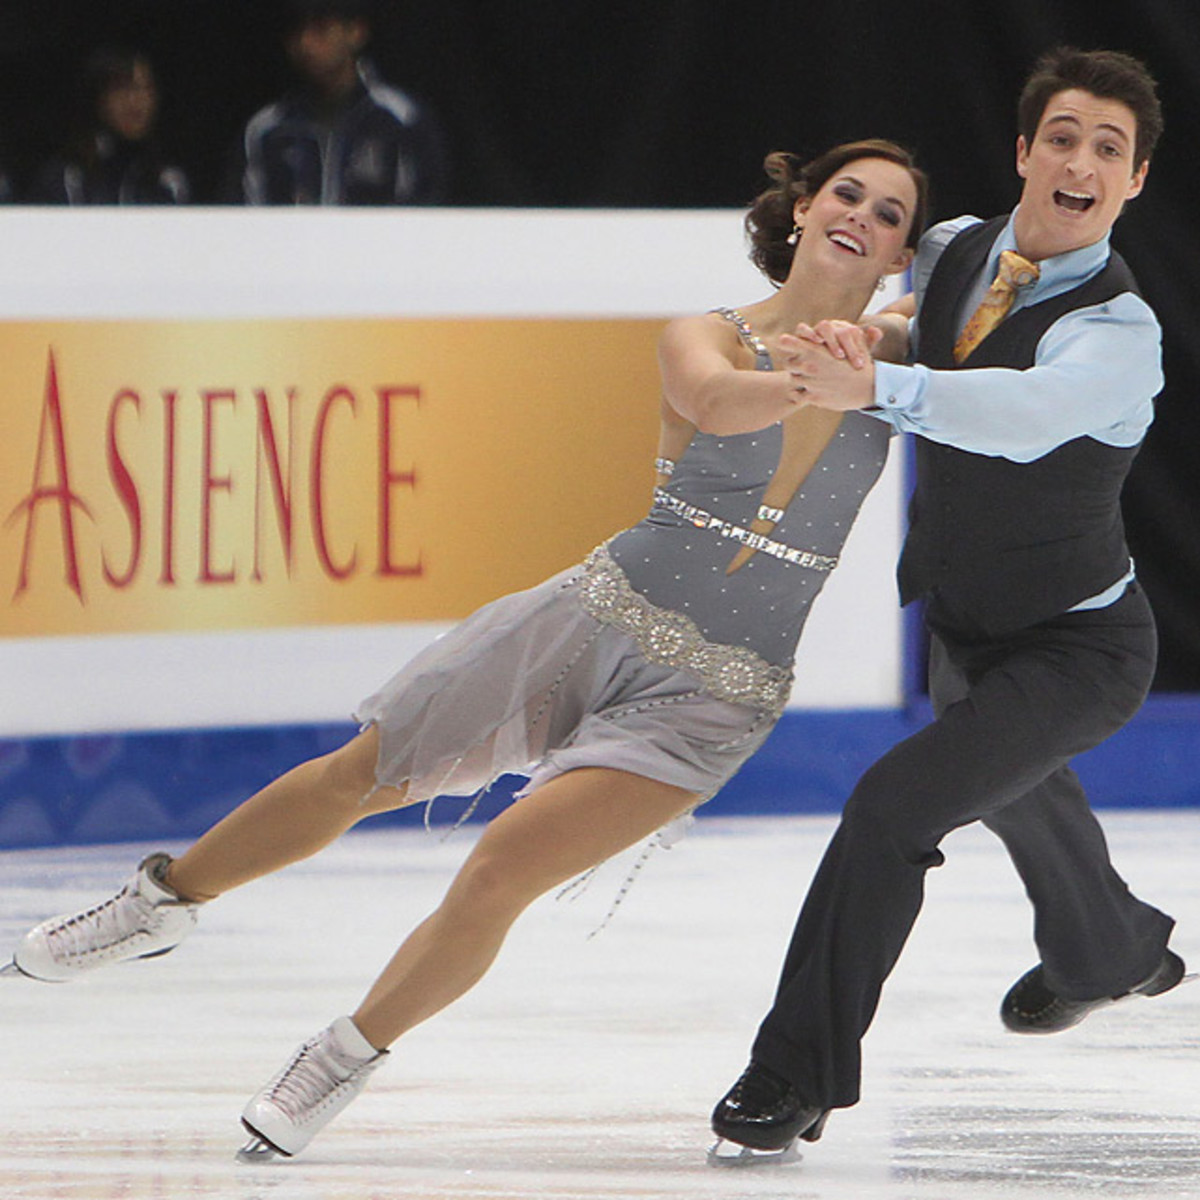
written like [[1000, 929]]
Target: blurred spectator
[[114, 157], [343, 136]]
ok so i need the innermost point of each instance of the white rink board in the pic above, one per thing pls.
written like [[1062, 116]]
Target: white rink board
[[232, 264]]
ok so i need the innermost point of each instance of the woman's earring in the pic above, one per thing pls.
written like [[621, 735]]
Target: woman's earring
[[879, 287], [794, 236]]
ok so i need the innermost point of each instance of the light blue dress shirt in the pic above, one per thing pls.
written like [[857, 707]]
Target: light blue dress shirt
[[1095, 373]]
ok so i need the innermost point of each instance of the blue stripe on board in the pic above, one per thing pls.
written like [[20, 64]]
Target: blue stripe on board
[[174, 785]]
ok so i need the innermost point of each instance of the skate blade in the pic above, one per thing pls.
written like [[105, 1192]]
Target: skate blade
[[257, 1150], [730, 1154], [11, 969]]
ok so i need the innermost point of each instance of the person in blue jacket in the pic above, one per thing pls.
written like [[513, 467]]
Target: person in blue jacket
[[343, 136]]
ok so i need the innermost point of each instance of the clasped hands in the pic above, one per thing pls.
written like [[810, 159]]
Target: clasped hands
[[830, 364]]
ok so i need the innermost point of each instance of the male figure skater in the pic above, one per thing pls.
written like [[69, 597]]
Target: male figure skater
[[1043, 643]]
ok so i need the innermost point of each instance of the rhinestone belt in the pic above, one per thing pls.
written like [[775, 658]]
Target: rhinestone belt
[[703, 519], [733, 673]]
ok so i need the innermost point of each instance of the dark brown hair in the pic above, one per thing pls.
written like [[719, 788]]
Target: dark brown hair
[[1108, 74], [770, 221], [299, 13], [105, 69]]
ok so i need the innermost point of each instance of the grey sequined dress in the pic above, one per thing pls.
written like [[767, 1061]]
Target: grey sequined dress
[[652, 656]]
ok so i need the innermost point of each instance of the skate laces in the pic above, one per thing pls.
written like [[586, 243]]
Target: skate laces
[[316, 1073], [103, 926]]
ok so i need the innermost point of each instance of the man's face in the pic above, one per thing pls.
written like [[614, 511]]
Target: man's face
[[324, 51], [1078, 171]]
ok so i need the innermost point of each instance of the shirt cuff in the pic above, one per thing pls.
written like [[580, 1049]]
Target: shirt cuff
[[897, 388]]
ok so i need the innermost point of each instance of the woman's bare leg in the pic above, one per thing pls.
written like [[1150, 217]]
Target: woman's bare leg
[[291, 818], [572, 823]]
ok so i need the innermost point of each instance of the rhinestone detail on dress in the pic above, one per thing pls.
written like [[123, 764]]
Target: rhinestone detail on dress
[[702, 519], [761, 353], [733, 673]]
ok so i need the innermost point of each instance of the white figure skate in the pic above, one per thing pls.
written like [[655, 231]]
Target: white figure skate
[[323, 1076], [143, 920]]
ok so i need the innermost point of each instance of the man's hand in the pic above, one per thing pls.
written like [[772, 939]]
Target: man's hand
[[833, 370]]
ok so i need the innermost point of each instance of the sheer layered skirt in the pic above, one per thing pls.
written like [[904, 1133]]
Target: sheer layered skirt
[[580, 671]]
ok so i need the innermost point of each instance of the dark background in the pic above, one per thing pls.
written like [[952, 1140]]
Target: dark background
[[674, 103]]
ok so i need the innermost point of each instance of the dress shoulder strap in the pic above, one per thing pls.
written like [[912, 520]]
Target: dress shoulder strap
[[761, 353]]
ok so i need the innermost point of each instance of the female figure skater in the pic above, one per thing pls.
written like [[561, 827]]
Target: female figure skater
[[628, 688]]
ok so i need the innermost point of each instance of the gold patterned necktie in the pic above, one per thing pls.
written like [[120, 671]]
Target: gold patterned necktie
[[1015, 273]]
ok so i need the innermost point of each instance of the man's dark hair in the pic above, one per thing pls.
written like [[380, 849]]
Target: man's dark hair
[[298, 13], [1108, 74]]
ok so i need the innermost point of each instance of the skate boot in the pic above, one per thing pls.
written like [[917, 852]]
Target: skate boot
[[1031, 1007], [323, 1076], [763, 1115], [144, 919]]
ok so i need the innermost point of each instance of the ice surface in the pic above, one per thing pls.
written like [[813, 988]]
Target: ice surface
[[586, 1067]]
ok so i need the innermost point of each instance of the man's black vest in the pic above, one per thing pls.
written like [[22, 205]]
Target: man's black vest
[[995, 545]]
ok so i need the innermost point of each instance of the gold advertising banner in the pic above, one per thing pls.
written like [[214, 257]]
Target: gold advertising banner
[[220, 475]]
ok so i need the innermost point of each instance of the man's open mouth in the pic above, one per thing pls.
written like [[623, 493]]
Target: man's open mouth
[[1075, 201]]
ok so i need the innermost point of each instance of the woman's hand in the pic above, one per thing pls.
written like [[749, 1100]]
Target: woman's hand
[[819, 375], [843, 339]]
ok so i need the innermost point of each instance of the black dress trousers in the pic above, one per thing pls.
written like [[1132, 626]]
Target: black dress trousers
[[1010, 714]]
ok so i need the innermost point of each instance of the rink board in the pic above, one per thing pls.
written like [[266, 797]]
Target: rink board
[[253, 461], [168, 785], [147, 703]]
